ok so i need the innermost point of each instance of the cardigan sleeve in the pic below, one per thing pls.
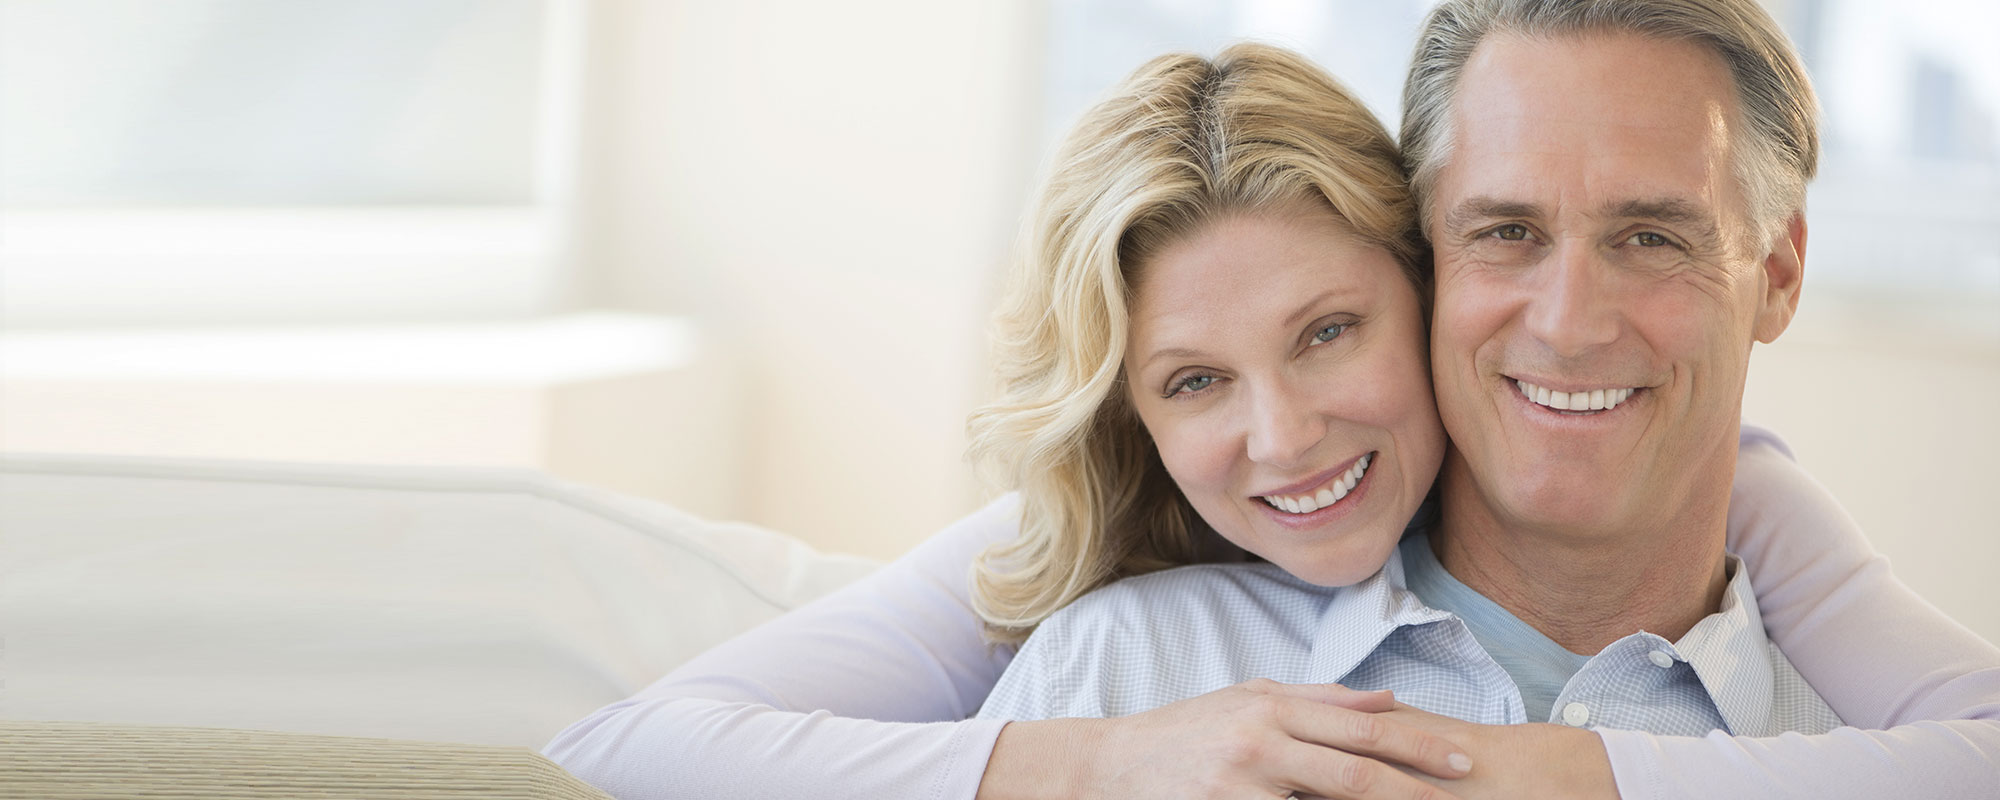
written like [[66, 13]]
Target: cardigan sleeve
[[863, 693], [1920, 694]]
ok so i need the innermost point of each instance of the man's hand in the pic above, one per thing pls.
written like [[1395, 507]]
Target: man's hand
[[1259, 738]]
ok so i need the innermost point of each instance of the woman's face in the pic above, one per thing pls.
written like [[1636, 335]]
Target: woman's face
[[1278, 362]]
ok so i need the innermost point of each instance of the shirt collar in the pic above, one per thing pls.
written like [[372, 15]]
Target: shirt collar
[[1728, 649], [1359, 617], [1731, 655]]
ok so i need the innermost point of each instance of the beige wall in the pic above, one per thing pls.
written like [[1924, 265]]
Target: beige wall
[[831, 188], [1892, 408]]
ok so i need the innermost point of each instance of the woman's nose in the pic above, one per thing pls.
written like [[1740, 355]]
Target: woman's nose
[[1284, 427]]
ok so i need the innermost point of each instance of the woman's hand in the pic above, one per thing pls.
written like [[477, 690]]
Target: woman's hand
[[1259, 738], [1536, 760]]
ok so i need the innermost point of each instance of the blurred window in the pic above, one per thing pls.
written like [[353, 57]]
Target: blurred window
[[1908, 199], [278, 159]]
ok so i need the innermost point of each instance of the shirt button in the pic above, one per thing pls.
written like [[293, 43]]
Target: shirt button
[[1661, 659], [1576, 714]]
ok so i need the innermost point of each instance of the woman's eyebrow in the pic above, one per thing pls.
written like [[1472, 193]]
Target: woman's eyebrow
[[1171, 352], [1306, 309]]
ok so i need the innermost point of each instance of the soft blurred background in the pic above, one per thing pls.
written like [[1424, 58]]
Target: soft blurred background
[[740, 256]]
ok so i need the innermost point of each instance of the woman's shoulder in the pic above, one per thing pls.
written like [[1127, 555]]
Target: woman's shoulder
[[1204, 602], [1200, 582]]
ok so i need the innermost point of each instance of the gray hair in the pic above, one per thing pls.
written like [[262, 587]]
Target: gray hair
[[1777, 151]]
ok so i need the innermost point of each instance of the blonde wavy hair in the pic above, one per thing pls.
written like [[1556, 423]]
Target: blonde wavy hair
[[1181, 142]]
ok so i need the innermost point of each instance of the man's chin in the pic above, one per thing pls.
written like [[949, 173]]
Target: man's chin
[[1573, 508]]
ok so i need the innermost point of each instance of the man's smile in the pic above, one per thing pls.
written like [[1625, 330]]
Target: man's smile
[[1577, 401]]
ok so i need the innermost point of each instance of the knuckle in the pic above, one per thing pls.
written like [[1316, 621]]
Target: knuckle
[[1239, 750], [1426, 749], [1259, 685], [1367, 729], [1357, 776], [1426, 791], [1267, 707]]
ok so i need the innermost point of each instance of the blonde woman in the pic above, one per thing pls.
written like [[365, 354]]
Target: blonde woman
[[867, 692]]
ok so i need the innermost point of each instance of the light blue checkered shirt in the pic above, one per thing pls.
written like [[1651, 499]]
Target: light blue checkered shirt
[[1147, 641]]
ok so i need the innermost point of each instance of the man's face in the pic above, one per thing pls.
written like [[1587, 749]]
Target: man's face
[[1598, 281]]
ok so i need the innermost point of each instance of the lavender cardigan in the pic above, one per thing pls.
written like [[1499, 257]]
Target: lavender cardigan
[[865, 693]]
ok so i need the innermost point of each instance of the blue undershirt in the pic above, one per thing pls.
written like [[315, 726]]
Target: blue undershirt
[[1539, 666]]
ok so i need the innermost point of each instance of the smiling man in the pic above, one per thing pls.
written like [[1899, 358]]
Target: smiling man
[[1602, 274]]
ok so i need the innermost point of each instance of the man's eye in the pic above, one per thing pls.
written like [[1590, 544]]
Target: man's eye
[[1511, 232], [1190, 384], [1328, 334], [1648, 239]]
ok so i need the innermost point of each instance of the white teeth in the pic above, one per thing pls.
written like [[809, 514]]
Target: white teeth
[[1326, 496], [1590, 400]]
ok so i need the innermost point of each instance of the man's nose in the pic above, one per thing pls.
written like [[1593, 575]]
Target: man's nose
[[1571, 309], [1284, 427]]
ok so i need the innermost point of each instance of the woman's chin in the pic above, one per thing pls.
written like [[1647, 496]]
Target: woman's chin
[[1332, 564]]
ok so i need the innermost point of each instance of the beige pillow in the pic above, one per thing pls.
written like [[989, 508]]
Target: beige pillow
[[102, 760], [489, 606]]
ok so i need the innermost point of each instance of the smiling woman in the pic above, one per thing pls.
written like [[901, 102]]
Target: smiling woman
[[1305, 434], [1256, 173]]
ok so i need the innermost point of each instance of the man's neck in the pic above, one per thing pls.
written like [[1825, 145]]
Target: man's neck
[[1585, 589]]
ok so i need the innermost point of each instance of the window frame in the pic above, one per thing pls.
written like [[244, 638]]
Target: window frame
[[173, 265]]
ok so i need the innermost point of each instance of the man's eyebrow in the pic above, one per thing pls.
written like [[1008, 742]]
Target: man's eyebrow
[[1481, 208], [1670, 210]]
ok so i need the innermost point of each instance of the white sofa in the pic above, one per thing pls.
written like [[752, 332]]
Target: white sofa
[[466, 605]]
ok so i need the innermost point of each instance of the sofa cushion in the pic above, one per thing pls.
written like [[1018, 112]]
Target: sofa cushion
[[450, 604], [103, 761]]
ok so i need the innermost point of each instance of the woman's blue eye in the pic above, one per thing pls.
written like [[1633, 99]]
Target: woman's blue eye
[[1328, 334], [1192, 384]]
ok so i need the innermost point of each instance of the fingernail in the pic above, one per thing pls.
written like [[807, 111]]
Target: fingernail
[[1459, 761]]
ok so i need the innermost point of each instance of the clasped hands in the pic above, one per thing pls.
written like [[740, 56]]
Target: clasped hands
[[1264, 739]]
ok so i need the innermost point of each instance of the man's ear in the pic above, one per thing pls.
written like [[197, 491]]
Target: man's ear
[[1783, 278]]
